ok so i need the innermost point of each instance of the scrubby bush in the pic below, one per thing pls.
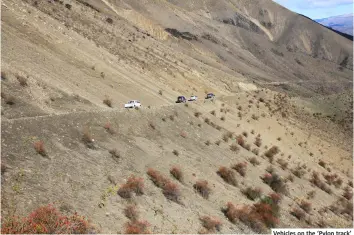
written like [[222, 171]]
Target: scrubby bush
[[172, 192], [133, 185], [316, 180], [240, 168], [109, 128], [258, 141], [234, 148], [39, 147], [298, 213], [348, 193], [211, 224], [108, 102], [254, 161], [137, 227], [283, 164], [177, 173], [131, 212], [202, 187], [252, 193], [175, 152], [298, 171], [227, 175], [306, 206], [255, 151], [270, 153], [47, 220], [22, 80], [275, 182], [157, 178]]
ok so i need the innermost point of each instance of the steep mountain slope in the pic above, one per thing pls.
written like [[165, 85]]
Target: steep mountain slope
[[280, 80], [342, 23]]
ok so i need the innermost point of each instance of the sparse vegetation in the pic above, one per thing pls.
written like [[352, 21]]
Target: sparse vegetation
[[175, 152], [87, 138], [109, 128], [298, 171], [234, 148], [137, 227], [202, 187], [283, 164], [227, 175], [172, 192], [197, 114], [114, 153], [306, 206], [258, 142]]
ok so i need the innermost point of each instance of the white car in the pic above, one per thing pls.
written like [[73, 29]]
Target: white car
[[133, 104], [193, 98]]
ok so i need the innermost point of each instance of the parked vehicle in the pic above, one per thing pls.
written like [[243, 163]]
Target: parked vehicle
[[181, 99], [210, 96], [193, 98], [133, 104]]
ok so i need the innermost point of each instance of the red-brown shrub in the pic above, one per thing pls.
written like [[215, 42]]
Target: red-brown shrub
[[137, 227], [157, 178], [315, 180], [39, 147], [202, 187], [109, 128], [240, 168], [177, 173], [48, 220], [172, 192], [240, 140], [227, 175], [275, 182], [298, 213], [306, 206], [133, 185], [348, 193], [211, 224], [131, 212]]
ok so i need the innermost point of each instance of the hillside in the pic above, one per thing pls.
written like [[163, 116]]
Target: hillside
[[281, 121], [342, 23]]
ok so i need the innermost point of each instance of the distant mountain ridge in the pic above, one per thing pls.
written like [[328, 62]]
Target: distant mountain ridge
[[341, 23]]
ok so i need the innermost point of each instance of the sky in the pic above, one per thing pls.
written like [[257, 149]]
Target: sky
[[318, 9]]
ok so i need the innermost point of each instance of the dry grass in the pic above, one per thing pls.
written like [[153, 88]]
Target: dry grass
[[211, 224], [202, 187], [133, 185], [39, 147], [227, 175], [241, 168], [177, 173]]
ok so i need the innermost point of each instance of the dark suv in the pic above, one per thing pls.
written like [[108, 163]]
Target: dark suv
[[209, 96]]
